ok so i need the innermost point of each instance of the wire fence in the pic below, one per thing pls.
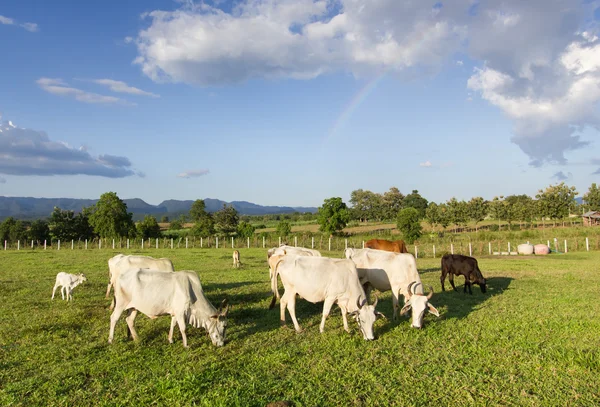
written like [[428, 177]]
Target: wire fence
[[433, 250]]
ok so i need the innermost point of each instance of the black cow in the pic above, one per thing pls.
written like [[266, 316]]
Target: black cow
[[457, 264]]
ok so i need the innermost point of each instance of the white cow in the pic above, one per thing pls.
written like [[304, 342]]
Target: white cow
[[284, 250], [68, 283], [121, 263], [178, 294], [323, 279], [385, 271], [236, 259]]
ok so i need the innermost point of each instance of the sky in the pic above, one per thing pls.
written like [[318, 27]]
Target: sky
[[291, 102]]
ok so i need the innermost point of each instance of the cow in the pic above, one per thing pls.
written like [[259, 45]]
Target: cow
[[323, 279], [392, 271], [396, 246], [458, 264], [236, 258], [121, 263], [284, 250], [179, 294], [67, 282]]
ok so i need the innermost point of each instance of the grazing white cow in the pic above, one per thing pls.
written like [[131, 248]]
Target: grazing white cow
[[121, 263], [236, 259], [178, 294], [68, 283], [385, 271], [323, 279], [285, 250]]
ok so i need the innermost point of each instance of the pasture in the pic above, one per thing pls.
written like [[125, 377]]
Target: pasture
[[531, 340]]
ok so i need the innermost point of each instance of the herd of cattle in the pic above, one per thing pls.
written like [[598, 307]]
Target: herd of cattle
[[153, 287]]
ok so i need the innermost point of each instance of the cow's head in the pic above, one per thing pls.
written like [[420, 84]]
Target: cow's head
[[82, 278], [217, 324], [419, 303], [366, 315], [482, 284], [348, 253]]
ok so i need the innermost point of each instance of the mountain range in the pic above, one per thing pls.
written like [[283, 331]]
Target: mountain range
[[36, 208]]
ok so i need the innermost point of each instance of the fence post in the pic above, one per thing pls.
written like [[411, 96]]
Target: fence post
[[470, 250], [566, 251], [279, 240], [18, 245], [248, 245], [217, 242], [345, 244], [363, 244], [157, 242], [434, 251], [329, 244], [452, 248], [142, 242], [201, 243], [416, 253], [186, 242], [58, 245], [100, 243], [171, 243], [312, 244], [295, 241], [85, 244], [548, 243], [263, 242], [72, 244], [44, 244], [490, 248], [587, 244], [32, 244]]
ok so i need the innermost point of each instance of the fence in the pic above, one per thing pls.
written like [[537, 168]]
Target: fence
[[319, 243]]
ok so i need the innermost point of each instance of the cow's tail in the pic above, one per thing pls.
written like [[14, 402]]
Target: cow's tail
[[274, 287]]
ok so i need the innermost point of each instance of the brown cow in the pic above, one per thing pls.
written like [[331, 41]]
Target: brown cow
[[397, 246]]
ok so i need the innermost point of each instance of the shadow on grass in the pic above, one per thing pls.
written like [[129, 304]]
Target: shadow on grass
[[430, 270], [460, 304]]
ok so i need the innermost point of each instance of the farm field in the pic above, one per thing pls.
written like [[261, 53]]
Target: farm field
[[531, 340]]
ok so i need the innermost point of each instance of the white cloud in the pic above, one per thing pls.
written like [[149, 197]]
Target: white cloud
[[2, 180], [31, 27], [193, 173], [59, 87], [425, 164], [122, 87], [31, 152], [542, 70]]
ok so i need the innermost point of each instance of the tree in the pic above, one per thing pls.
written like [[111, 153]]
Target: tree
[[518, 208], [415, 200], [409, 223], [245, 229], [498, 209], [148, 228], [283, 228], [198, 210], [556, 200], [65, 225], [12, 230], [333, 216], [110, 218], [444, 215], [164, 219], [457, 212], [433, 215], [204, 227], [592, 198], [477, 210], [176, 225], [38, 231], [226, 220], [366, 205], [392, 202]]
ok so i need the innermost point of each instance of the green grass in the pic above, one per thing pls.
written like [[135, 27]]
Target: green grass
[[532, 340]]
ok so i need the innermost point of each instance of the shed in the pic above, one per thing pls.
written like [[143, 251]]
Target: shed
[[591, 218]]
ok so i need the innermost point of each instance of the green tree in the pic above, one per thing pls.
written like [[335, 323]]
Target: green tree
[[284, 228], [12, 230], [198, 210], [444, 216], [164, 219], [245, 229], [148, 228], [204, 227], [38, 231], [65, 225], [392, 202], [409, 223], [592, 198], [556, 200], [415, 200], [110, 218], [176, 225], [457, 212], [366, 205], [433, 215], [477, 210], [226, 220], [518, 208], [498, 209], [333, 216]]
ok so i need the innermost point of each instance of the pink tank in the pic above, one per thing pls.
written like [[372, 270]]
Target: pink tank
[[541, 249]]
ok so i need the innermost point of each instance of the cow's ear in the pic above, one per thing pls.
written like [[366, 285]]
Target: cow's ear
[[380, 315], [216, 316], [406, 308], [433, 310]]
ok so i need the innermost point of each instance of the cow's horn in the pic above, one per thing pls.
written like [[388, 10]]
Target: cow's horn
[[375, 302], [223, 304], [430, 293], [410, 288], [360, 303]]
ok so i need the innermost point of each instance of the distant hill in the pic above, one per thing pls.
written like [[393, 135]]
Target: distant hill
[[36, 208]]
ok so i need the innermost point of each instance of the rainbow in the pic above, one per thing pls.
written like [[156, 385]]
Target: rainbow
[[351, 106]]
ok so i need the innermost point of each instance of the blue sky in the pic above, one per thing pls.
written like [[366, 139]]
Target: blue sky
[[283, 102]]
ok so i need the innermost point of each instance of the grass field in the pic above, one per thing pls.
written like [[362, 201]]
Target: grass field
[[532, 340]]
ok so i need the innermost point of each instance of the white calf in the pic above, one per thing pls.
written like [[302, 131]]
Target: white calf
[[68, 283]]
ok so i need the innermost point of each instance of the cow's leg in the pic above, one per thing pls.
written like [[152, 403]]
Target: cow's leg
[[54, 289], [173, 322], [395, 300], [442, 279], [468, 285], [451, 279], [181, 322], [282, 305], [326, 308], [345, 317], [291, 306], [114, 317], [108, 289], [130, 318], [368, 288], [63, 290], [69, 294]]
